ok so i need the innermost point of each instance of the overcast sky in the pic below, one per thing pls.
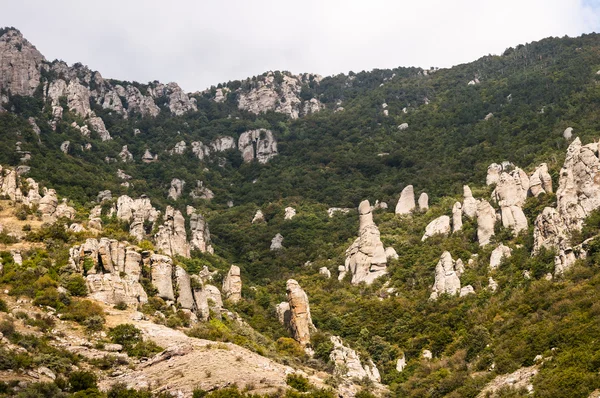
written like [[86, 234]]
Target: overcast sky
[[199, 43]]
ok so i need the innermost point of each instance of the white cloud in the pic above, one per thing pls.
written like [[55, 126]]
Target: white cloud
[[200, 43]]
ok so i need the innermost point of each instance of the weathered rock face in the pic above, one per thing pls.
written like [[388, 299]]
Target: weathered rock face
[[98, 125], [223, 144], [20, 64], [486, 219], [125, 155], [201, 192], [466, 290], [8, 183], [284, 314], [51, 210], [148, 157], [178, 149], [439, 226], [290, 213], [390, 253], [366, 258], [469, 205], [258, 217], [325, 272], [457, 217], [510, 194], [446, 279], [423, 202], [493, 174], [185, 298], [200, 150], [498, 254], [232, 284], [280, 94], [200, 235], [208, 301], [64, 147], [277, 242], [136, 212], [171, 237], [540, 181], [162, 270], [406, 203], [300, 320], [549, 231], [176, 189], [348, 364], [257, 144]]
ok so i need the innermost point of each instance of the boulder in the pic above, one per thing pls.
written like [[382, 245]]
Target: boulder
[[64, 147], [148, 157], [423, 202], [222, 144], [179, 148], [112, 288], [98, 125], [498, 254], [201, 192], [290, 213], [171, 237], [232, 284], [325, 272], [406, 203], [390, 253], [284, 314], [348, 364], [492, 284], [125, 155], [257, 144], [486, 219], [200, 235], [258, 217], [446, 279], [332, 210], [457, 217], [401, 363], [466, 290], [469, 205], [183, 283], [568, 133], [136, 212], [200, 150], [276, 242], [208, 301], [540, 181], [300, 320], [439, 226], [176, 189], [493, 174], [162, 269], [366, 258]]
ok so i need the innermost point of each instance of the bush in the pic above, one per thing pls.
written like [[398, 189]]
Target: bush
[[82, 380], [121, 305], [75, 284], [81, 310], [289, 347], [131, 339], [298, 382], [3, 306]]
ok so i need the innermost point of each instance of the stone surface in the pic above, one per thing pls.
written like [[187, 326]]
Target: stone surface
[[232, 284], [466, 290], [423, 202], [492, 284], [493, 174], [176, 189], [20, 64], [568, 133], [162, 270], [171, 237], [510, 194], [178, 149], [257, 144], [540, 181], [277, 242], [200, 235], [136, 212], [258, 217], [486, 219], [498, 254], [348, 364], [125, 155], [290, 213], [446, 279], [366, 258], [438, 226], [222, 144], [406, 203], [97, 124], [64, 147], [201, 192], [325, 272], [457, 217], [148, 157], [300, 320], [469, 205], [284, 314], [183, 283], [390, 253]]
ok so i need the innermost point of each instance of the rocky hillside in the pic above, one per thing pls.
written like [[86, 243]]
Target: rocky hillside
[[248, 238]]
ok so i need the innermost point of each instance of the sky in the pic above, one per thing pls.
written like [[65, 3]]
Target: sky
[[200, 43]]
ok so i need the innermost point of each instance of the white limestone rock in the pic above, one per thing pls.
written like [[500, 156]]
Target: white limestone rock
[[98, 125], [486, 219], [301, 324], [162, 270], [232, 284], [348, 364], [439, 226], [176, 189], [406, 202], [500, 253], [469, 205], [325, 272], [493, 174], [171, 237], [125, 155], [20, 64], [568, 133], [148, 157], [540, 181], [466, 290], [492, 284], [277, 242], [423, 202], [200, 235], [222, 144], [446, 279], [290, 213], [257, 144], [457, 217], [390, 253], [258, 217], [201, 192]]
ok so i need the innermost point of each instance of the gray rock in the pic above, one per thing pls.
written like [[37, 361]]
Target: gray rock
[[486, 219], [540, 181], [185, 297], [568, 133], [325, 272], [446, 279], [423, 202], [300, 320], [457, 217], [439, 226], [290, 213], [176, 189], [171, 237], [64, 147], [162, 269], [348, 365], [200, 235], [498, 254], [104, 195], [469, 205], [258, 217], [125, 155], [466, 290], [257, 144], [406, 203], [20, 64], [276, 242], [232, 284]]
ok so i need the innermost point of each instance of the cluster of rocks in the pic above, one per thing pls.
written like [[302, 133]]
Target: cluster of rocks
[[27, 192], [406, 202], [578, 194], [113, 270], [366, 258], [276, 93], [447, 278]]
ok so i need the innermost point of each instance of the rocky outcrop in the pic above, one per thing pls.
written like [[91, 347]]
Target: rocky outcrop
[[469, 205], [232, 284], [277, 242], [258, 217], [20, 64], [493, 174], [366, 258], [348, 364], [332, 210], [178, 149], [176, 189], [290, 213], [201, 192], [125, 155], [51, 210], [284, 314], [486, 219], [406, 203], [208, 300], [300, 320], [278, 92], [540, 181], [257, 144], [222, 144], [185, 297], [148, 157], [325, 272], [549, 231], [136, 212], [64, 147], [446, 279], [98, 125], [439, 226], [390, 253], [162, 273], [510, 194], [200, 150], [171, 237], [423, 202], [178, 101], [457, 217], [466, 290], [200, 235], [498, 254]]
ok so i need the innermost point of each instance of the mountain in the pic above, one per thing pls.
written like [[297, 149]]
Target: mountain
[[403, 232]]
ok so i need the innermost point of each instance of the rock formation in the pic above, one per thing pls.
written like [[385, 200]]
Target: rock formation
[[257, 144], [466, 290], [325, 272], [162, 273], [469, 205], [201, 192], [183, 283], [540, 181], [277, 242], [423, 202], [290, 213], [136, 212], [406, 203], [486, 219], [439, 226], [498, 254], [510, 194], [232, 284], [98, 125], [176, 189], [222, 144], [365, 258], [258, 217], [200, 150], [125, 155], [300, 321], [284, 314], [171, 237], [20, 64], [64, 147], [390, 253], [457, 217], [493, 174], [200, 235], [348, 364], [148, 157], [446, 279]]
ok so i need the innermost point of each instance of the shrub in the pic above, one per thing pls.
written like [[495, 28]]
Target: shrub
[[75, 284], [82, 380], [289, 347], [131, 339], [298, 382], [121, 305], [80, 310], [3, 306]]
